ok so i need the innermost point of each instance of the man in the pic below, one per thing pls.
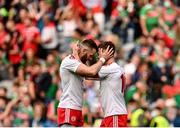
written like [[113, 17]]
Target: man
[[71, 71], [112, 86]]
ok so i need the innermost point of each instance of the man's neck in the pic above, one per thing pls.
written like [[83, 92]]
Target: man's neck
[[76, 55], [110, 61]]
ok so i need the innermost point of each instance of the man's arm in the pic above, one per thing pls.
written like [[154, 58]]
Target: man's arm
[[85, 70]]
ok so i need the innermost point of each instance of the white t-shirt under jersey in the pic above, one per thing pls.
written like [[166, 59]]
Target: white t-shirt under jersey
[[72, 84], [111, 93]]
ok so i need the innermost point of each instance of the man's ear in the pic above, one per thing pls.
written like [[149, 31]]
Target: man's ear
[[75, 48], [78, 45]]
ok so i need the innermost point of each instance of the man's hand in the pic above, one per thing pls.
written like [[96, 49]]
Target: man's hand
[[106, 54]]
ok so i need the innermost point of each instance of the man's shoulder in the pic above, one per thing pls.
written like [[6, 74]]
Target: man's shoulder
[[68, 58], [69, 61], [121, 68], [115, 67], [65, 60]]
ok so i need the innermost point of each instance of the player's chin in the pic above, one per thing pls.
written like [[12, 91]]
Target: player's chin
[[90, 60]]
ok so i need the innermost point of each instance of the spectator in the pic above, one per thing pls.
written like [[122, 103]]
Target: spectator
[[31, 36], [4, 66], [52, 109], [39, 118], [49, 36], [24, 112], [149, 17]]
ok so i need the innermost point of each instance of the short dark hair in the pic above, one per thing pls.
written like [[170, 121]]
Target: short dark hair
[[105, 44], [90, 43]]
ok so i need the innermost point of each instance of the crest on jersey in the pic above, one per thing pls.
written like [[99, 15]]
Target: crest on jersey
[[73, 118]]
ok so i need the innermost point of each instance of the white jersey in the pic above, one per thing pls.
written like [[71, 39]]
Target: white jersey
[[72, 84], [112, 90]]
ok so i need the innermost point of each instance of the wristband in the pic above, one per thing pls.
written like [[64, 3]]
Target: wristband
[[102, 60]]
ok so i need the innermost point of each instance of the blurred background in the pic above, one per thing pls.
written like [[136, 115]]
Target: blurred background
[[35, 35]]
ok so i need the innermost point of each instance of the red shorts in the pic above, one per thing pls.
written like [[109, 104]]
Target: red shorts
[[114, 121], [70, 116]]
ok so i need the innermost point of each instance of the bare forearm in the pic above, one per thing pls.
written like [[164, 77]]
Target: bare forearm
[[87, 71], [8, 108], [94, 69], [143, 25]]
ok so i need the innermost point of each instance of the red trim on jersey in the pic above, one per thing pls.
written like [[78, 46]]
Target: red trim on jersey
[[123, 78], [114, 121], [70, 116]]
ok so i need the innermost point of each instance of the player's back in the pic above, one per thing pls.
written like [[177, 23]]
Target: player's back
[[112, 89], [71, 84]]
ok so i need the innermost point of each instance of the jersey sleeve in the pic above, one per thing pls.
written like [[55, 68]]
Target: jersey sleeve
[[143, 12], [104, 71], [71, 64]]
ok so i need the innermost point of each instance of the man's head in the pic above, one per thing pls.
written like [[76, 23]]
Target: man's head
[[87, 49], [106, 44]]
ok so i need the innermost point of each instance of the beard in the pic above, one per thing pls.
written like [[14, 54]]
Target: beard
[[84, 59]]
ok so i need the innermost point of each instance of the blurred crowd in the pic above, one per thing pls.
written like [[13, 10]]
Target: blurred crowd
[[35, 35]]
